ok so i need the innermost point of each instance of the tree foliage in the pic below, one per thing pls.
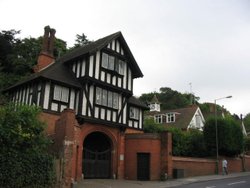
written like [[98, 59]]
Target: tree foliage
[[170, 99], [151, 127], [18, 56], [81, 40], [24, 160], [230, 137], [188, 143], [247, 122]]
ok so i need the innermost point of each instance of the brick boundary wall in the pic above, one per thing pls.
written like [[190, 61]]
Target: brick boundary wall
[[205, 166]]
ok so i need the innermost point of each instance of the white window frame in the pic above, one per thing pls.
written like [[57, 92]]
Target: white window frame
[[170, 117], [158, 118]]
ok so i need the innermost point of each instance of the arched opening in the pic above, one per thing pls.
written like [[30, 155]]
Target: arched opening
[[97, 156]]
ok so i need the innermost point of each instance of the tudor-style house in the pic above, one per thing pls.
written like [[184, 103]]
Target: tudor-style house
[[87, 101], [186, 118]]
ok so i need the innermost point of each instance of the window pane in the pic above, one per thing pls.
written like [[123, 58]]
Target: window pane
[[98, 95], [134, 113], [170, 117], [115, 100], [104, 97], [121, 67], [131, 112], [57, 92], [110, 99], [65, 94], [105, 60], [111, 65]]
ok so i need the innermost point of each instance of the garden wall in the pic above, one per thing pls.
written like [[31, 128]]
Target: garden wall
[[202, 166]]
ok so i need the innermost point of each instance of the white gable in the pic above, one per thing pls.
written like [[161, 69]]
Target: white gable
[[197, 121]]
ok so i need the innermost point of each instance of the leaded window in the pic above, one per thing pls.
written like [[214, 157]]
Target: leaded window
[[61, 93], [113, 63], [106, 98], [134, 113]]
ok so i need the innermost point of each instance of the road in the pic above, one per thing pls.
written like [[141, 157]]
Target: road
[[236, 182]]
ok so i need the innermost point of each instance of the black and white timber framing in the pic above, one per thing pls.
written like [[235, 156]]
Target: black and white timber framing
[[95, 80]]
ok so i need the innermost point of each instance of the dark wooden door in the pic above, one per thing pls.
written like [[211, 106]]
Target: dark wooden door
[[96, 164], [143, 166]]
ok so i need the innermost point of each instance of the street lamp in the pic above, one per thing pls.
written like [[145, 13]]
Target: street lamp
[[216, 133]]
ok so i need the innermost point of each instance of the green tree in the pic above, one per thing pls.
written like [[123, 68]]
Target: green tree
[[81, 40], [247, 122], [195, 144], [17, 57], [169, 99], [151, 127], [179, 142], [24, 160], [230, 137]]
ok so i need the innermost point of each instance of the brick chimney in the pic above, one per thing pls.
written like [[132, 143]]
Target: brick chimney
[[46, 56]]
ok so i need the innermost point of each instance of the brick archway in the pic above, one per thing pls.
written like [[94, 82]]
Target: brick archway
[[113, 134], [96, 156]]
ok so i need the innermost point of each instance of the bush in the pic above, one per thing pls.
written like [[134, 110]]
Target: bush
[[151, 127], [188, 143], [195, 144], [24, 161], [230, 137]]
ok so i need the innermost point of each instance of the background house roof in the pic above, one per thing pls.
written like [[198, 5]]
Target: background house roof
[[183, 116]]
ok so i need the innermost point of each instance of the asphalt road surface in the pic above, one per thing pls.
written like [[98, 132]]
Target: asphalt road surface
[[237, 182]]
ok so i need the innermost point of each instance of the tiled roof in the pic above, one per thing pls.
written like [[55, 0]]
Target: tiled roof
[[182, 118], [155, 100], [136, 102], [58, 71]]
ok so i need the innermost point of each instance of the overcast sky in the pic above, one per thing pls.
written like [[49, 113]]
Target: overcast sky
[[175, 42]]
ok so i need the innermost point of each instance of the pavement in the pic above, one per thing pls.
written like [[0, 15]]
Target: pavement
[[110, 183]]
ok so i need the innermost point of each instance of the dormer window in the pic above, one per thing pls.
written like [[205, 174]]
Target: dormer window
[[114, 64], [158, 119], [170, 117]]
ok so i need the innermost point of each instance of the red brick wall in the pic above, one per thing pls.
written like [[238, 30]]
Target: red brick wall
[[50, 120], [234, 165], [139, 143], [202, 166], [247, 162], [194, 166], [130, 130]]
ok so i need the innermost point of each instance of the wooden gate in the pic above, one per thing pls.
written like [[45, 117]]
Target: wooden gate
[[96, 164], [143, 166]]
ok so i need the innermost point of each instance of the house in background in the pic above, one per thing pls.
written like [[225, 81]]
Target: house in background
[[86, 97], [186, 118]]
